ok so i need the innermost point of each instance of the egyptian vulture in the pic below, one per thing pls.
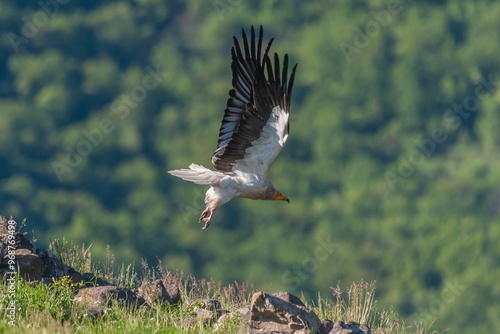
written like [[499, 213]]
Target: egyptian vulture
[[253, 132]]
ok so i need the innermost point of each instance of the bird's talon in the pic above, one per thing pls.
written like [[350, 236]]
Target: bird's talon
[[207, 224], [206, 216]]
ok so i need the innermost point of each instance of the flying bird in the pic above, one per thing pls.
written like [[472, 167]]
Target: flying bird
[[254, 129]]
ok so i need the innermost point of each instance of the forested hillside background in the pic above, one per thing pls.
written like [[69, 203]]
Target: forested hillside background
[[392, 167]]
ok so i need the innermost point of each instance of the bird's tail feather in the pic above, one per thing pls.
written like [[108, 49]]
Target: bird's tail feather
[[197, 174]]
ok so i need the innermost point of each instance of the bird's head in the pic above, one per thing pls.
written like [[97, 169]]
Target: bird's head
[[280, 197], [273, 194]]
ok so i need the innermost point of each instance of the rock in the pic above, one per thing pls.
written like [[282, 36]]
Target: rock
[[30, 265], [174, 293], [155, 293], [340, 327], [212, 305], [272, 314], [20, 242], [105, 296], [243, 313], [90, 280], [222, 320], [204, 311], [26, 260], [74, 276], [288, 297], [325, 327], [52, 266]]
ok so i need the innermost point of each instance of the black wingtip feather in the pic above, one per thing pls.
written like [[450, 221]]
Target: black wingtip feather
[[259, 46], [252, 46], [285, 73], [277, 69], [290, 86]]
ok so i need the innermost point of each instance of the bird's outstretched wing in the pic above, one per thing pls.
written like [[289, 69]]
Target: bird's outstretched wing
[[255, 124]]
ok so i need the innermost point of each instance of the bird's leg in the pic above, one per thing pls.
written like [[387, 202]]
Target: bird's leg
[[204, 214], [207, 220]]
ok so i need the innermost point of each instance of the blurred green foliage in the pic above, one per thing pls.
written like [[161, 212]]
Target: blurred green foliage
[[393, 164]]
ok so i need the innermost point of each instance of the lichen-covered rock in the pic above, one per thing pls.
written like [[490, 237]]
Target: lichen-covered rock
[[20, 242], [34, 263], [203, 311], [174, 293], [340, 327], [106, 296], [155, 293], [91, 280], [272, 314], [30, 265], [242, 313], [288, 297]]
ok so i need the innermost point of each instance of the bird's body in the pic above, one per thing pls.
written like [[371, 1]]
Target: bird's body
[[254, 130]]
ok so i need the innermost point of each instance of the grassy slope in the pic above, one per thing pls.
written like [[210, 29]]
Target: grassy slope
[[50, 308]]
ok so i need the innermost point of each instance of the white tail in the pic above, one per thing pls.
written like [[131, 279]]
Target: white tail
[[197, 174]]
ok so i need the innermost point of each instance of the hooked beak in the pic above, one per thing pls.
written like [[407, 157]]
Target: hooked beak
[[280, 197]]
